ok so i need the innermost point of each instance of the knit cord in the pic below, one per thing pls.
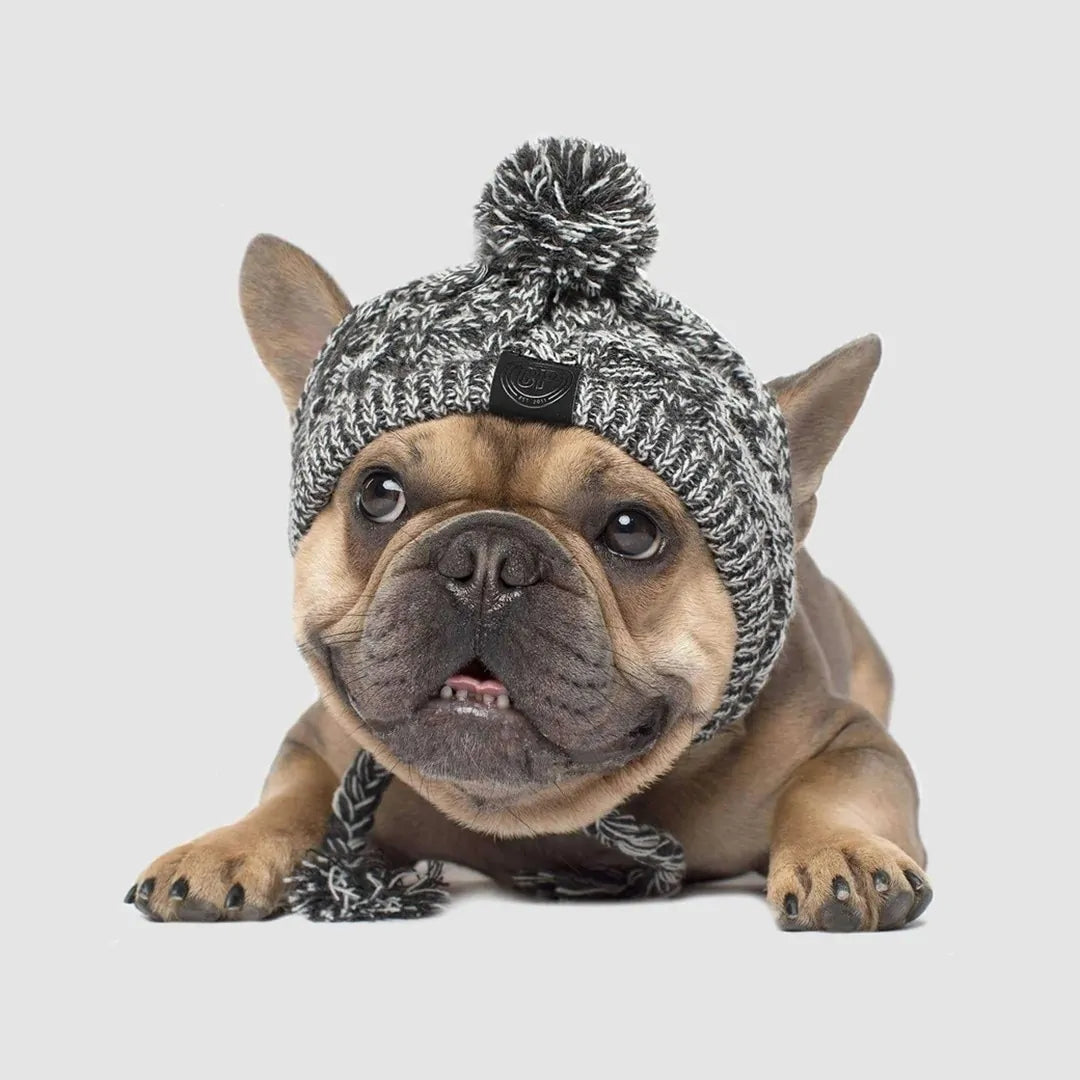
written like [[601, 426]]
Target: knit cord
[[348, 880], [660, 870]]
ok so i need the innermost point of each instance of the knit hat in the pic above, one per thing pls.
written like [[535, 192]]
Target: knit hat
[[553, 321]]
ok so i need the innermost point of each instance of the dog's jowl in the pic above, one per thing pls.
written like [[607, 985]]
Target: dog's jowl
[[549, 566]]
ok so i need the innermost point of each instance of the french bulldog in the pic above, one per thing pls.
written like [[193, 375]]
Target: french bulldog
[[510, 725]]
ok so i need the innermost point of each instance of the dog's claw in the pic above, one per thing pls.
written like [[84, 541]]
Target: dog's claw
[[841, 889], [923, 895], [146, 889], [791, 905], [881, 881], [234, 898], [129, 896], [179, 889]]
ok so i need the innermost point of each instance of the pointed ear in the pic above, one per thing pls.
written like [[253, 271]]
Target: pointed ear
[[819, 405], [290, 305]]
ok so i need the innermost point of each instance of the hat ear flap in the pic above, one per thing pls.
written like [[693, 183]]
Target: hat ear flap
[[819, 405], [290, 304]]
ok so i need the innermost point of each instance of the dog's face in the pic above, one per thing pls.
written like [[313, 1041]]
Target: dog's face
[[519, 620], [524, 617]]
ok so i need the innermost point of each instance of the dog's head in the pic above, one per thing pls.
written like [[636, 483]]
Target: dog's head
[[520, 620]]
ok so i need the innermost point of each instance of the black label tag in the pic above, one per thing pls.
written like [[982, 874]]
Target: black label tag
[[534, 389]]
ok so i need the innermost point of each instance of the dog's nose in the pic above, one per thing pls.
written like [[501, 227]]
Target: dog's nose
[[485, 564]]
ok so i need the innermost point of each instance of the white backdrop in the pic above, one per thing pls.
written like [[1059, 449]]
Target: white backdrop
[[820, 172]]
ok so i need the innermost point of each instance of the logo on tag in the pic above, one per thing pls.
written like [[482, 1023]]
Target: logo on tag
[[534, 389]]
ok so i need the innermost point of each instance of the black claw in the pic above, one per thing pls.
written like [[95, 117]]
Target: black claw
[[881, 881], [129, 896], [179, 889], [841, 889], [234, 898], [923, 895], [791, 905], [146, 888]]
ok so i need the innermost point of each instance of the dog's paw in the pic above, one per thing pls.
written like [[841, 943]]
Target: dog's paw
[[855, 882], [236, 872]]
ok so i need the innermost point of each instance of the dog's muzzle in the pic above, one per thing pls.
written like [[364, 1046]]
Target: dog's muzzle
[[485, 658]]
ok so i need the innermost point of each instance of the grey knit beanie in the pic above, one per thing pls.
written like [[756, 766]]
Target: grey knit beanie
[[554, 322]]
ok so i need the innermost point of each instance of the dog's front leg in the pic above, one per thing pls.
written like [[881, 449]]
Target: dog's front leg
[[237, 872], [845, 852]]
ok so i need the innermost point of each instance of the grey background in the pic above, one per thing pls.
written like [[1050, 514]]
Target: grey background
[[820, 171]]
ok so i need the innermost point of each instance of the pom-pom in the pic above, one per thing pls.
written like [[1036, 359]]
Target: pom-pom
[[575, 210]]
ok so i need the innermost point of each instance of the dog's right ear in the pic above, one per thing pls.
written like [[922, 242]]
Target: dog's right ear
[[290, 305]]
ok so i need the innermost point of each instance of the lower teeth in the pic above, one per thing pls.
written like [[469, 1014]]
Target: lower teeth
[[499, 701]]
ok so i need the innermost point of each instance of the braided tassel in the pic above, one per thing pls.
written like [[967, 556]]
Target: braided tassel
[[347, 880]]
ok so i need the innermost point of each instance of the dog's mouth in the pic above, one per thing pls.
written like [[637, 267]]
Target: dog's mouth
[[474, 685], [495, 735]]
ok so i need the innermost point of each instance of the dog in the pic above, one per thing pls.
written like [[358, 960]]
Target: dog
[[587, 697]]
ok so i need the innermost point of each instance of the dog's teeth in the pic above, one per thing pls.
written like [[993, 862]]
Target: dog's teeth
[[489, 699], [446, 692], [502, 701], [462, 695]]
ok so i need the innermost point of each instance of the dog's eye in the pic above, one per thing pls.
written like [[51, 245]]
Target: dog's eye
[[381, 497], [632, 534]]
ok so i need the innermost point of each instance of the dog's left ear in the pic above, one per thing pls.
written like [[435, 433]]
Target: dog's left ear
[[819, 405]]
